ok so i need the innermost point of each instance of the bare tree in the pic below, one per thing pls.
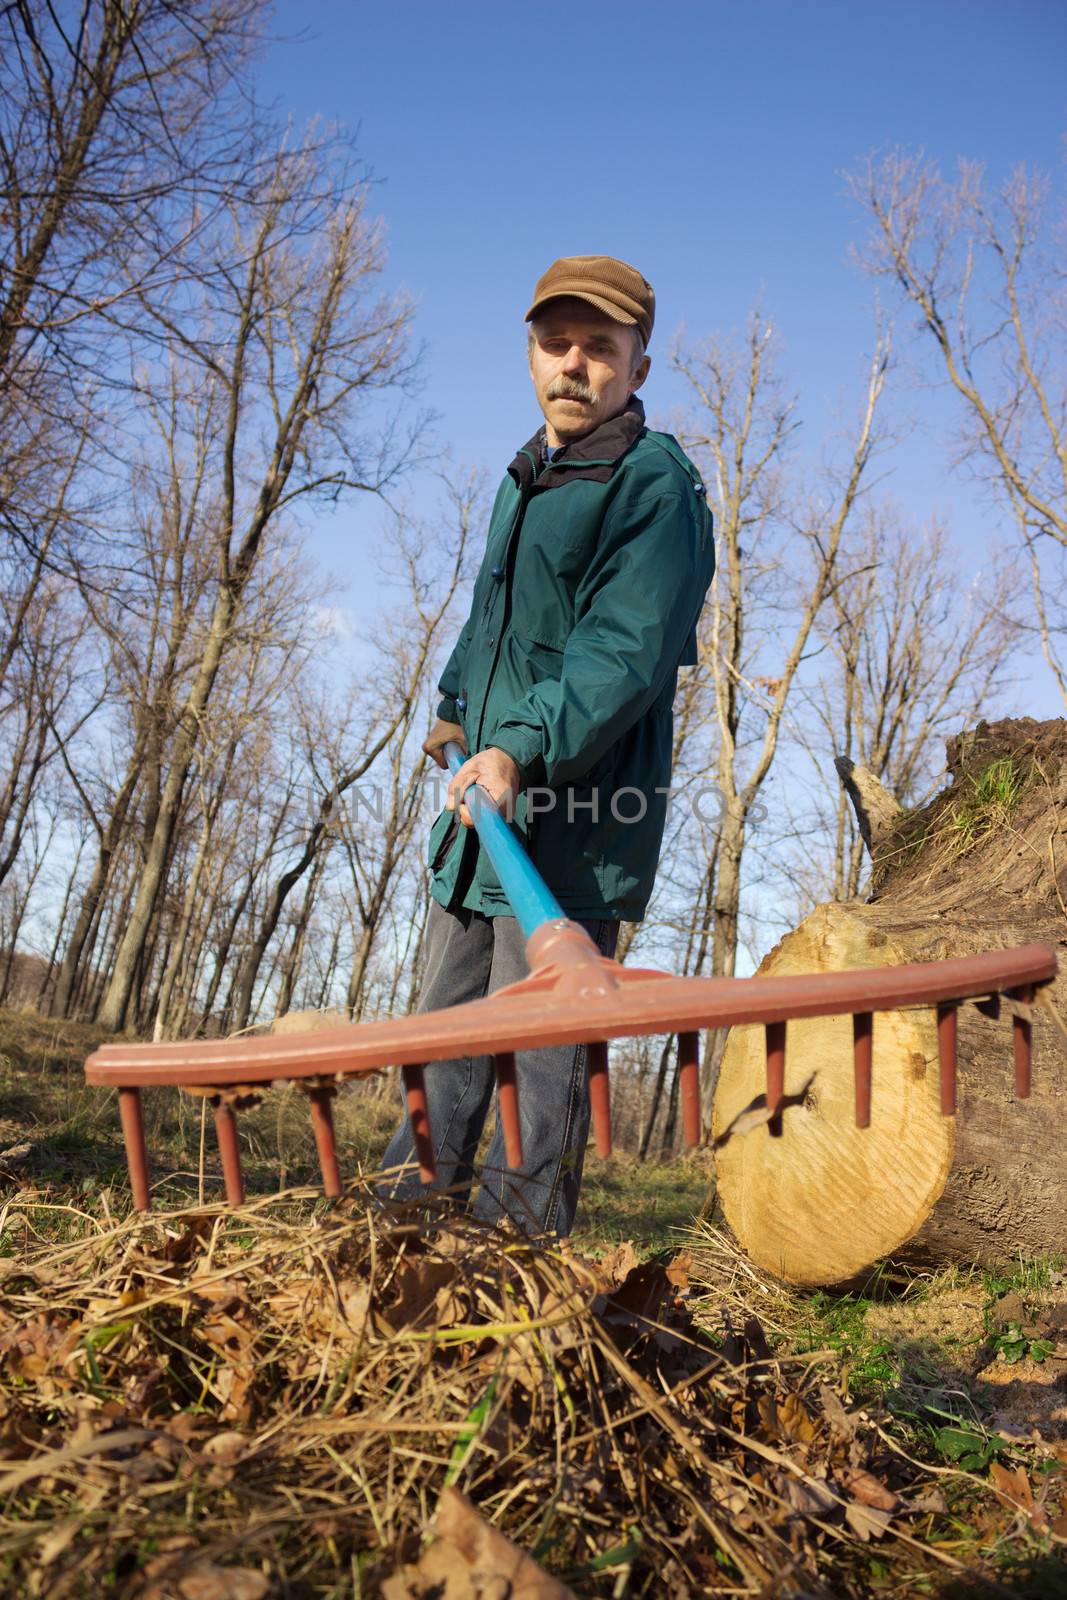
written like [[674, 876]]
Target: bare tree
[[214, 778], [741, 430], [44, 692], [773, 551], [920, 644], [981, 269], [124, 128], [147, 622], [383, 843], [125, 132], [287, 349], [113, 123], [343, 770]]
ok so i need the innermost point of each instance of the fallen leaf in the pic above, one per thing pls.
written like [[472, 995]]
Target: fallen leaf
[[441, 1573], [869, 1490], [756, 1339], [1012, 1486], [793, 1420], [678, 1269], [1012, 1489], [806, 1495], [641, 1293], [930, 1500], [420, 1287], [843, 1424], [867, 1521], [227, 1446], [469, 1559], [619, 1264], [206, 1581], [198, 1579], [1011, 1308], [181, 1247], [183, 1425]]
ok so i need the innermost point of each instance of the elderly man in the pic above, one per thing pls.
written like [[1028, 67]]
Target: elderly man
[[598, 558]]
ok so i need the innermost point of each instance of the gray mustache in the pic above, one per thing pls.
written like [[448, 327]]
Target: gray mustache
[[571, 389]]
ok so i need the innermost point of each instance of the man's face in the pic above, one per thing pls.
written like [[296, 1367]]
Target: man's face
[[584, 367]]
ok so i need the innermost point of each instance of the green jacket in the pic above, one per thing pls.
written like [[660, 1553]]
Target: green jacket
[[595, 571]]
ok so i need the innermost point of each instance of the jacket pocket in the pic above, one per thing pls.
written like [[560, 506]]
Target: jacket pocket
[[442, 835], [544, 654]]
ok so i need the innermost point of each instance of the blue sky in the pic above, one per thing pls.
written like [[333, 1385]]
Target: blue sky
[[702, 142]]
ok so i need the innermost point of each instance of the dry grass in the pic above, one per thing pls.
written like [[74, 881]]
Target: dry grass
[[285, 1391], [202, 1405]]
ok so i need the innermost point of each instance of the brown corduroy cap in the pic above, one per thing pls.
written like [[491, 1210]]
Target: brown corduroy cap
[[613, 287]]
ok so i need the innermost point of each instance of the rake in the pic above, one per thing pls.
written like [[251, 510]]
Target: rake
[[573, 995]]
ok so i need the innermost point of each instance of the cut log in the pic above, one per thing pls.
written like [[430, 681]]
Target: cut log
[[983, 867]]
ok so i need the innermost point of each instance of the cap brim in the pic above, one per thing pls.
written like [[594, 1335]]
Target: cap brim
[[608, 307]]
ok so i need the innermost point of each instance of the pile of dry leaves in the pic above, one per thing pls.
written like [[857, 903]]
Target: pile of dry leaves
[[227, 1406]]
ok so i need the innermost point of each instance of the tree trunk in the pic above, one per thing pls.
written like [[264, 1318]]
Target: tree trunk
[[984, 866], [657, 1095], [82, 939], [150, 882], [294, 960], [330, 969], [257, 945], [43, 999], [175, 959], [222, 955]]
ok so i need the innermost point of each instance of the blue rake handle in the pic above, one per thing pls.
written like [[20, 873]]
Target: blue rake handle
[[529, 896], [535, 906]]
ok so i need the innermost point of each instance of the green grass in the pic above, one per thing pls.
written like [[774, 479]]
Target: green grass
[[838, 1322], [975, 807], [939, 1412], [987, 801], [648, 1202], [77, 1151], [1027, 1277]]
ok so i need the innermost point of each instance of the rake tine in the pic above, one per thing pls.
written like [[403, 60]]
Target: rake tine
[[689, 1080], [226, 1133], [136, 1151], [1021, 1034], [946, 1054], [419, 1112], [775, 1037], [862, 1035], [599, 1095], [507, 1091], [321, 1100]]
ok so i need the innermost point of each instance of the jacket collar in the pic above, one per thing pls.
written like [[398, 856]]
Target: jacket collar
[[595, 455]]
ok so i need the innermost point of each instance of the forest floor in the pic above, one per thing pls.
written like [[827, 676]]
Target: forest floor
[[275, 1402]]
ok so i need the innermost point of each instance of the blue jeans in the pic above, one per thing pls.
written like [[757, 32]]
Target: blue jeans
[[469, 956]]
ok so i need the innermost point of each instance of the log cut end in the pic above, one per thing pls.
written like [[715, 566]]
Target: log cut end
[[982, 866], [826, 1199]]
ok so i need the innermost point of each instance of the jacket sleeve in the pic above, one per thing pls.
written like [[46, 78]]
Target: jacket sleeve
[[450, 683], [637, 607]]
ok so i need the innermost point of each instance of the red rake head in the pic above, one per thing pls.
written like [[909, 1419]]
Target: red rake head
[[573, 995]]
